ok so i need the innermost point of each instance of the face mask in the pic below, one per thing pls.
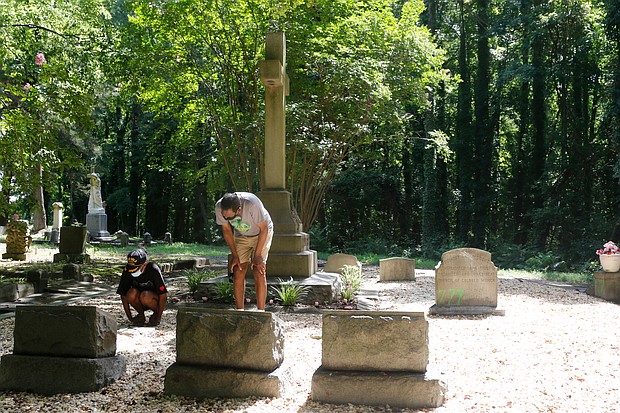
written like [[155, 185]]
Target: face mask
[[136, 273]]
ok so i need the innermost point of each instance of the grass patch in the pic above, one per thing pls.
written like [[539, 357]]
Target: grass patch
[[570, 277]]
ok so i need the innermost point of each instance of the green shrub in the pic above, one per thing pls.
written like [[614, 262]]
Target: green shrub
[[224, 292], [351, 279], [195, 277], [290, 292]]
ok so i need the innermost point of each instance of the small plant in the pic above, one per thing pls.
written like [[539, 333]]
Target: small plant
[[351, 279], [195, 277], [224, 292], [290, 292]]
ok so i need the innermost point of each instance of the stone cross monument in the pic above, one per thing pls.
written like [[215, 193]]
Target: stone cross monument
[[290, 255]]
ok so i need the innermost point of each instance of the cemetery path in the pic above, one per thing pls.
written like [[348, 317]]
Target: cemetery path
[[555, 350]]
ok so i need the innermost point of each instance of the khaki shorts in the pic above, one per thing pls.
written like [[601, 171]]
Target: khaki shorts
[[246, 245]]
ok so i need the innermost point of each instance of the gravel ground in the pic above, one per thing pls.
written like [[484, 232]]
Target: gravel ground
[[556, 350]]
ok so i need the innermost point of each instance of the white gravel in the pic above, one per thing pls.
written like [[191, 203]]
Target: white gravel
[[555, 350]]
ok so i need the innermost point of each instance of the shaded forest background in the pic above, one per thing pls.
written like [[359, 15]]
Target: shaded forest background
[[412, 127]]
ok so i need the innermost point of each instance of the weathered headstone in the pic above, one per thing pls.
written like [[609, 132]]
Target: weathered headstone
[[376, 358], [226, 353], [61, 350], [123, 237], [17, 240], [466, 283], [71, 272], [336, 262], [397, 269], [148, 239]]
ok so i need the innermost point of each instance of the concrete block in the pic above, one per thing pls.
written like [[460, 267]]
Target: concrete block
[[73, 331], [203, 382], [229, 338], [52, 375], [375, 341], [397, 389]]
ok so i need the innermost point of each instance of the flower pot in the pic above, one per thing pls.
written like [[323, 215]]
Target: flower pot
[[610, 263]]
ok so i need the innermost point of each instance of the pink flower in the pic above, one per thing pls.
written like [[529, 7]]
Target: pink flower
[[27, 87], [40, 59], [609, 248]]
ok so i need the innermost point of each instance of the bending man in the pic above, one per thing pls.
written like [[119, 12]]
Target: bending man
[[247, 229]]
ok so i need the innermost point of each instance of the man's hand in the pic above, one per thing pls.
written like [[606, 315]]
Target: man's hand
[[259, 264], [235, 262]]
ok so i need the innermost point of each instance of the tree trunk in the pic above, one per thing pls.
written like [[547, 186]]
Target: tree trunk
[[39, 221]]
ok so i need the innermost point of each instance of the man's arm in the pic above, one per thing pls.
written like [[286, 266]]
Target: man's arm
[[229, 237], [161, 305], [126, 307]]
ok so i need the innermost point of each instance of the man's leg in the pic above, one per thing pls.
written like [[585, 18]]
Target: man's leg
[[239, 285], [133, 298], [260, 282], [149, 301]]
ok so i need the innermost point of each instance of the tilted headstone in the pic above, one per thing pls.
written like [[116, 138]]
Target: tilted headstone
[[72, 247], [226, 353], [466, 283], [336, 262], [61, 350], [376, 358], [397, 269]]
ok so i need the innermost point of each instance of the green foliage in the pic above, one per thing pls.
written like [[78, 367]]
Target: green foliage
[[224, 292], [351, 279], [196, 276], [290, 292]]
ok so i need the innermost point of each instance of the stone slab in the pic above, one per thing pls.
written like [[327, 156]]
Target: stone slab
[[466, 277], [607, 286], [396, 389], [465, 310], [75, 258], [397, 269], [64, 331], [53, 375], [323, 287], [229, 339], [375, 341], [203, 382]]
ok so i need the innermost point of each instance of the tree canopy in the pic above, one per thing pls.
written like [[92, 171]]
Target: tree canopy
[[412, 126]]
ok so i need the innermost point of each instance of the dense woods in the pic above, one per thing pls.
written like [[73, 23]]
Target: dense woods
[[412, 127]]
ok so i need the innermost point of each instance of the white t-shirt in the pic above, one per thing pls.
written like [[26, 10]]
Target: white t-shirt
[[253, 212]]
